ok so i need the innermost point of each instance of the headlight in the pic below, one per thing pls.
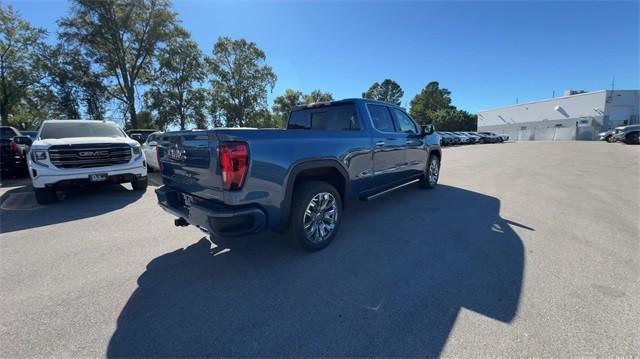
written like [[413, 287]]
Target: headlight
[[137, 151], [39, 155]]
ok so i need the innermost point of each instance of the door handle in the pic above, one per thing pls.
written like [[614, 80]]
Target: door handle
[[409, 142], [379, 143]]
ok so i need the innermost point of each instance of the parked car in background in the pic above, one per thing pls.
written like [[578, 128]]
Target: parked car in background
[[150, 149], [628, 134], [464, 139], [474, 137], [31, 134], [470, 138], [140, 135], [70, 153], [503, 137], [490, 137], [234, 182], [14, 148], [446, 139], [456, 140], [483, 138], [607, 135]]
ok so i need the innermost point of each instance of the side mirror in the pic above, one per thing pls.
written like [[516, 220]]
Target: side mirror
[[23, 140], [152, 143], [428, 129]]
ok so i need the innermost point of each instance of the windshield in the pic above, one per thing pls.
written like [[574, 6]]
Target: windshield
[[7, 132], [79, 129]]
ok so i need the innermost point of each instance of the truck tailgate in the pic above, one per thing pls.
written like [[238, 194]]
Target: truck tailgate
[[190, 163]]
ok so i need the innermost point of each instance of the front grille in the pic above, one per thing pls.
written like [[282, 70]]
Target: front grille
[[90, 155]]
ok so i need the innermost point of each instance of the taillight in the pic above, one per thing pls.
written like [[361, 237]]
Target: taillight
[[13, 147], [158, 158], [234, 164]]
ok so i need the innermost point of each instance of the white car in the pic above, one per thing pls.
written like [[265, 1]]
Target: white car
[[150, 149], [70, 153]]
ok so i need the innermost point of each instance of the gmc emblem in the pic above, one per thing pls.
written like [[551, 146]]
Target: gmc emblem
[[177, 154], [93, 153]]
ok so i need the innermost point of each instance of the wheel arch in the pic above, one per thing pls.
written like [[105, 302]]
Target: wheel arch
[[326, 170]]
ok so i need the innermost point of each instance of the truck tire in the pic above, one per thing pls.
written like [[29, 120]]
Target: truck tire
[[632, 138], [431, 174], [44, 196], [140, 185], [316, 215]]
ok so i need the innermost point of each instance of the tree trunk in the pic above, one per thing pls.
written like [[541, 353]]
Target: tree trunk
[[4, 114], [131, 99]]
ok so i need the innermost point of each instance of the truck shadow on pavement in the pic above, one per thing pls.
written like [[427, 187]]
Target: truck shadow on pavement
[[392, 284], [19, 209]]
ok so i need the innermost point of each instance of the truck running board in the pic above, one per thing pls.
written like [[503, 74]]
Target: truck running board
[[390, 189]]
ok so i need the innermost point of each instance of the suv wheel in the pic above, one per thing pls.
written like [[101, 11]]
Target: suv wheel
[[44, 196], [633, 138], [431, 175], [140, 185], [316, 215]]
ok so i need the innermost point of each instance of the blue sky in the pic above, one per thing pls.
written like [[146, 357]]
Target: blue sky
[[487, 53]]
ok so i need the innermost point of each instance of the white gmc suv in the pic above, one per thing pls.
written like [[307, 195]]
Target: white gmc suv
[[70, 153]]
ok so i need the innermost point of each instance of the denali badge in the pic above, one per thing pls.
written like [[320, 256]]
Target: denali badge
[[177, 154], [93, 153]]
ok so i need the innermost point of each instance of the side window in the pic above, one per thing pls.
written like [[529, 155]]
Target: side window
[[338, 117], [405, 122], [335, 118], [381, 118], [299, 120]]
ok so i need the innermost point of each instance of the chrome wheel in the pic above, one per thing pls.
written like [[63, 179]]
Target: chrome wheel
[[320, 217], [434, 171]]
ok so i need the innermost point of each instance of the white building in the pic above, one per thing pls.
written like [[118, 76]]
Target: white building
[[573, 116]]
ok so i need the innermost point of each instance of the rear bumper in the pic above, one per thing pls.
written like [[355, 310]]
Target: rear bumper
[[218, 219]]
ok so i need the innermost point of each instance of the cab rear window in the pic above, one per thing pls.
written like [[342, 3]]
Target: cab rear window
[[340, 117]]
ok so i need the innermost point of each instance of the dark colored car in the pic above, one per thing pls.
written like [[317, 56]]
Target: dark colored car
[[14, 148], [140, 135], [32, 134], [456, 140], [446, 139], [475, 138], [489, 137], [233, 182]]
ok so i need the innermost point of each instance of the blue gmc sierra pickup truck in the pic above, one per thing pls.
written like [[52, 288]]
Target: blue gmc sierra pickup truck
[[236, 181]]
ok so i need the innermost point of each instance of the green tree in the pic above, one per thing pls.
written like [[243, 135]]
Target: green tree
[[388, 91], [283, 104], [180, 67], [317, 96], [21, 46], [145, 119], [240, 80], [431, 98], [450, 119], [121, 37], [199, 103], [263, 119]]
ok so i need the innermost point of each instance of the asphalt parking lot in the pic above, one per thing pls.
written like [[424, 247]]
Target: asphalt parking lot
[[525, 249]]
